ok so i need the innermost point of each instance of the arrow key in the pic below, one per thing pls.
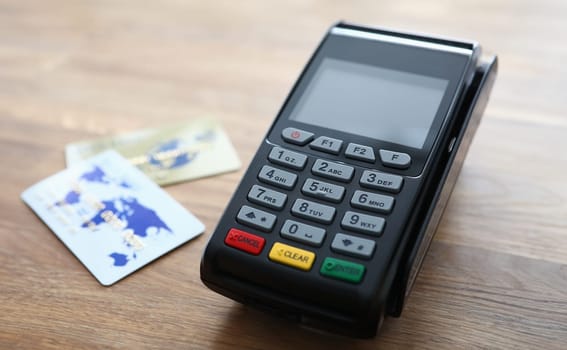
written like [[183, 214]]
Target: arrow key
[[256, 218]]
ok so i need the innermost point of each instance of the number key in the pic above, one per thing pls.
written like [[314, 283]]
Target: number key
[[323, 190], [266, 197], [277, 177], [287, 158], [304, 233], [332, 170], [363, 223], [381, 181], [313, 211], [372, 201]]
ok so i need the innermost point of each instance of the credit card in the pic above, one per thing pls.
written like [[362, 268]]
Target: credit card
[[111, 216], [168, 154]]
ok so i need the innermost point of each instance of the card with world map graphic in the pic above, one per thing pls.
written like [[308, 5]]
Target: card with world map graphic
[[111, 216], [170, 153]]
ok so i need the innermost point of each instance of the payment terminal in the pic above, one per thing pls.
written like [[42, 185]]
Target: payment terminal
[[333, 217]]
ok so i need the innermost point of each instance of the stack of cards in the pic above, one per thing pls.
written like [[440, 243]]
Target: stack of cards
[[112, 216], [169, 154]]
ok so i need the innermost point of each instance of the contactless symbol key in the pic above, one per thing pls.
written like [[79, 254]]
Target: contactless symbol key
[[354, 246]]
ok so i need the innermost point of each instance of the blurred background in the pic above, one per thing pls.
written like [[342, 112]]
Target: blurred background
[[496, 274]]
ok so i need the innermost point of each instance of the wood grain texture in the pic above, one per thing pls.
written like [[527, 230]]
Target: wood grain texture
[[496, 274]]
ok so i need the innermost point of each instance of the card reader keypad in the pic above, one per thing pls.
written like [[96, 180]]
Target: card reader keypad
[[325, 185]]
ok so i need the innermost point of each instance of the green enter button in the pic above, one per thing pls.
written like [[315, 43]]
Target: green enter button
[[342, 270]]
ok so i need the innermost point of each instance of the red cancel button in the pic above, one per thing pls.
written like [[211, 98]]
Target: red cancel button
[[245, 241]]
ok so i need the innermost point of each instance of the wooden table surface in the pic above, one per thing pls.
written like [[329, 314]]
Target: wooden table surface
[[496, 273]]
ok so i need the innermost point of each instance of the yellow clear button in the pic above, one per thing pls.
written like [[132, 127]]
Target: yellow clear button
[[291, 256]]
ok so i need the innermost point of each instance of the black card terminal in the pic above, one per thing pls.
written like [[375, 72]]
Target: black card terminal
[[331, 221]]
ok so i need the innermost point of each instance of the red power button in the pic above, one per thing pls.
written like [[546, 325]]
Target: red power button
[[244, 241]]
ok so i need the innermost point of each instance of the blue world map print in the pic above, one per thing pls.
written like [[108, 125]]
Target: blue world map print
[[111, 215], [170, 155], [134, 216]]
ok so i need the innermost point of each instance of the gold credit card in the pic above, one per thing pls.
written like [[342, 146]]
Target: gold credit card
[[168, 154]]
